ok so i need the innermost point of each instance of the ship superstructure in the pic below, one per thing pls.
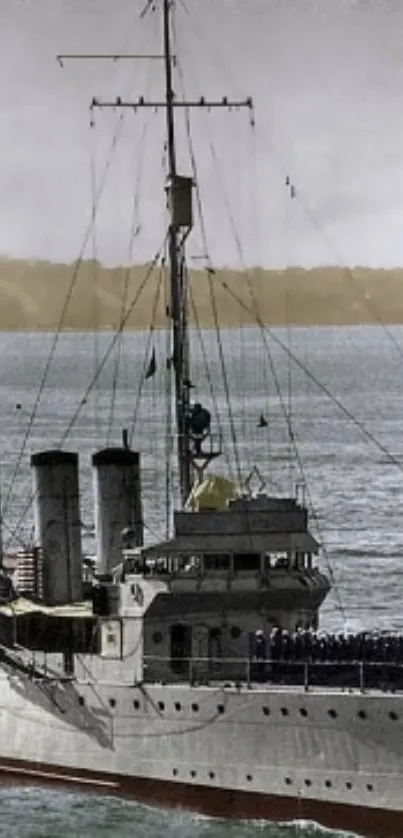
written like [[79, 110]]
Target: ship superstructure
[[156, 685]]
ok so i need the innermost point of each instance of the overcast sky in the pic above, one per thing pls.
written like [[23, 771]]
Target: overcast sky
[[327, 81]]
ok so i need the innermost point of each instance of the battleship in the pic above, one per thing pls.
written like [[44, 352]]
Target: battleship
[[190, 672]]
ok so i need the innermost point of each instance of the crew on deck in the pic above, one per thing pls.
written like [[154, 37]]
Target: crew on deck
[[342, 659]]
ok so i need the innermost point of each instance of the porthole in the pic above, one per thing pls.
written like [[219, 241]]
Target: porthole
[[370, 787], [178, 706], [328, 784], [308, 782], [161, 706], [288, 781], [157, 637], [112, 702], [332, 713], [195, 708], [136, 704], [362, 714], [220, 708], [284, 711], [81, 700], [266, 710], [303, 711], [393, 716], [193, 774], [249, 778], [235, 632], [349, 786], [211, 775]]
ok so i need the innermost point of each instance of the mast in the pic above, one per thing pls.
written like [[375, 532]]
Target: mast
[[178, 277], [191, 457]]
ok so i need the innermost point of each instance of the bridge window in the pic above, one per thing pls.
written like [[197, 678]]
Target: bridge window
[[246, 561], [298, 560], [217, 561], [177, 564], [279, 559]]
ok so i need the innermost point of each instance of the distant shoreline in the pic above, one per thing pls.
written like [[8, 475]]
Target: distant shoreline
[[33, 295]]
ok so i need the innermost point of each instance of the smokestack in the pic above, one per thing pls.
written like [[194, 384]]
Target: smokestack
[[57, 524], [117, 495]]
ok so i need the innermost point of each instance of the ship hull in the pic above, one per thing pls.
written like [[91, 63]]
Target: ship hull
[[213, 802], [262, 753]]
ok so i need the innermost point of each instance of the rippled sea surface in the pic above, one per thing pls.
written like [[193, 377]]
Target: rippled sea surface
[[342, 391], [40, 814]]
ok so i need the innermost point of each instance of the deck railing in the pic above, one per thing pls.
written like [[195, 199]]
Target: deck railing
[[348, 674]]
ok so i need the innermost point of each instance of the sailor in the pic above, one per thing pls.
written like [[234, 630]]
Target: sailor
[[7, 591], [260, 654], [199, 425]]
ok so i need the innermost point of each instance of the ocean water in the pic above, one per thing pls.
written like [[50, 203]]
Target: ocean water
[[342, 390], [44, 814]]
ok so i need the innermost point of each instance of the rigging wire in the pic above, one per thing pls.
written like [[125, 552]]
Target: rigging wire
[[286, 413], [291, 356], [287, 307], [168, 402], [95, 377], [135, 228], [267, 142], [285, 410], [285, 407], [114, 340], [213, 302], [294, 444], [323, 387], [95, 264], [217, 418], [149, 345], [251, 290], [234, 232], [73, 282], [134, 233], [133, 423]]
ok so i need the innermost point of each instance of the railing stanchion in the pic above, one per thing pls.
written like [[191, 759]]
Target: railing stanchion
[[306, 676]]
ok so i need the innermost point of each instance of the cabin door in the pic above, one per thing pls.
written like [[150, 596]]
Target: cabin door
[[181, 648]]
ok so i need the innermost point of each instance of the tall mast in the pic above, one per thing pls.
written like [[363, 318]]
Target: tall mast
[[180, 207], [179, 291]]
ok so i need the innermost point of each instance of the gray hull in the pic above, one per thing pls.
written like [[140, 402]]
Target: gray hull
[[279, 753]]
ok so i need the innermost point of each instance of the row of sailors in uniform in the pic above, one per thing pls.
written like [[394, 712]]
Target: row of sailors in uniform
[[316, 647]]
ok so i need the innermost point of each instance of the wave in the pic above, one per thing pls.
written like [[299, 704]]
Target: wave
[[362, 553]]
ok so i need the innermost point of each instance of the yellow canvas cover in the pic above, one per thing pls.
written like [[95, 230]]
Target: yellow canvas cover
[[214, 492]]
